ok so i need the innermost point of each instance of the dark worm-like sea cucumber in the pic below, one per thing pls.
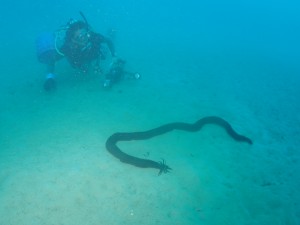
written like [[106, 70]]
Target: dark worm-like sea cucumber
[[111, 143]]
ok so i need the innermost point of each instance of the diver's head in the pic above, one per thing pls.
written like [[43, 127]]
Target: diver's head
[[78, 33]]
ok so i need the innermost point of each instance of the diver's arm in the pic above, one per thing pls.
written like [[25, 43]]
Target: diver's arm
[[109, 43], [50, 67], [110, 46], [50, 83]]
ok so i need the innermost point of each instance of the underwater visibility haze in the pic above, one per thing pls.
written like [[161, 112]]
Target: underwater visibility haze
[[225, 71]]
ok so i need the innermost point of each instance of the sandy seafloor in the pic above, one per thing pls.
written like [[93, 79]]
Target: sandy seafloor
[[54, 168]]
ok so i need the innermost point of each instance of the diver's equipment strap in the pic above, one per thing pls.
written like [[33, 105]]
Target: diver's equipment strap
[[55, 44]]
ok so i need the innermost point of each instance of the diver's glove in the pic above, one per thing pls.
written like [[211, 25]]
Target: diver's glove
[[50, 83]]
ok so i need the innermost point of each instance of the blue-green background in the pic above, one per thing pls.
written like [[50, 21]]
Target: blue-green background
[[234, 59]]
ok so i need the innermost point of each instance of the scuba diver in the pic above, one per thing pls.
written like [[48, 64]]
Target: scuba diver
[[80, 46]]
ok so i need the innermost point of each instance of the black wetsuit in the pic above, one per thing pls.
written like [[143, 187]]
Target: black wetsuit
[[79, 56]]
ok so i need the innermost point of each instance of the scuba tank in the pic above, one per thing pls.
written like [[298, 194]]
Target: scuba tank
[[45, 48]]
